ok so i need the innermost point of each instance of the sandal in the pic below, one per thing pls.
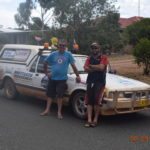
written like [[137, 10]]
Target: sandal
[[93, 124], [87, 124]]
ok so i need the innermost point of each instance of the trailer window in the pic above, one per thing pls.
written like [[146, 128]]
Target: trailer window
[[15, 54]]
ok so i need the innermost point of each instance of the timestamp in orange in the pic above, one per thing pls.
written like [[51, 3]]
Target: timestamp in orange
[[139, 138]]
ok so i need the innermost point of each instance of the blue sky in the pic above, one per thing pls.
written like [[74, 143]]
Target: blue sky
[[127, 9]]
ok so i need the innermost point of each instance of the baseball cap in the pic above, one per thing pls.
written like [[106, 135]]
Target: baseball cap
[[95, 44]]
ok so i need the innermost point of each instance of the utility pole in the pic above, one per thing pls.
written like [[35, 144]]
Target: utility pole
[[138, 8]]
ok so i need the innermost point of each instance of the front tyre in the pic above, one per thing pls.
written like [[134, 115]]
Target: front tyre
[[78, 106], [10, 91]]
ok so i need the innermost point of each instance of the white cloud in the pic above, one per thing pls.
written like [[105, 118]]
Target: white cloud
[[7, 20], [8, 8], [6, 1], [129, 8]]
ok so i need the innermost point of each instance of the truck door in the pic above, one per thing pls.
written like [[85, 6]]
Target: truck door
[[39, 79]]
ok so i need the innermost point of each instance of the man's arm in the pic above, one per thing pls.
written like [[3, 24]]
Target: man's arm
[[86, 66], [88, 69], [76, 72], [99, 67], [46, 69], [75, 69]]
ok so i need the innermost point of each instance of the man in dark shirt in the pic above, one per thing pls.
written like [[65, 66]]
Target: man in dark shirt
[[95, 65]]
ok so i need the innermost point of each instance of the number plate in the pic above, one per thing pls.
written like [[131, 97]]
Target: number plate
[[143, 103]]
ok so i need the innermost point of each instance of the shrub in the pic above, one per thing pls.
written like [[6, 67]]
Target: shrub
[[141, 53]]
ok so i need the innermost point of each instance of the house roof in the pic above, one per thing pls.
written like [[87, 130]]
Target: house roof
[[124, 22], [7, 30]]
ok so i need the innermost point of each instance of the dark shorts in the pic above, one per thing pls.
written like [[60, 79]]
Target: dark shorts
[[56, 88], [94, 93]]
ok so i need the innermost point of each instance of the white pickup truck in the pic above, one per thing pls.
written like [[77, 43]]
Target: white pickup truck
[[21, 71]]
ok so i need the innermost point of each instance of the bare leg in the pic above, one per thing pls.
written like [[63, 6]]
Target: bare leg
[[59, 103], [96, 111], [89, 112], [48, 105]]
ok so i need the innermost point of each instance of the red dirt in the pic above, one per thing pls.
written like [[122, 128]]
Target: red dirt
[[128, 68]]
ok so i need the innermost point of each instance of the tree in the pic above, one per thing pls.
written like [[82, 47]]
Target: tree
[[138, 30], [37, 23], [75, 12], [108, 32], [74, 20], [45, 13], [78, 15], [22, 18], [142, 54]]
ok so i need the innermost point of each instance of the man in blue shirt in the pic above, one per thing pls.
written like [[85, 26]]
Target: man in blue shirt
[[59, 61]]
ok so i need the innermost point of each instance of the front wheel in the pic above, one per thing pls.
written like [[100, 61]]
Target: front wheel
[[78, 106], [10, 91]]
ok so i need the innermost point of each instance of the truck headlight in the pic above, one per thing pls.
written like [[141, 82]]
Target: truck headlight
[[120, 95]]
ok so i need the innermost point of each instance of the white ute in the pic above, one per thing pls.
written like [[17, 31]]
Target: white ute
[[21, 71]]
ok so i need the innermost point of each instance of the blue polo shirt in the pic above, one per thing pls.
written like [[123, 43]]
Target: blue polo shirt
[[59, 63]]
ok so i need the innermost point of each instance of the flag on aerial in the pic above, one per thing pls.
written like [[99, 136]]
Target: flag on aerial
[[54, 43], [75, 46], [38, 38]]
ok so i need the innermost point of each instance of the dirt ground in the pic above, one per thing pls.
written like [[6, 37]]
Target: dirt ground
[[126, 66]]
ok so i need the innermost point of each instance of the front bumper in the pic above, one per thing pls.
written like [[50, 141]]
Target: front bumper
[[138, 101]]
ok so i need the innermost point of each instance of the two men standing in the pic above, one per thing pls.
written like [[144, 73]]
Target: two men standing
[[95, 65]]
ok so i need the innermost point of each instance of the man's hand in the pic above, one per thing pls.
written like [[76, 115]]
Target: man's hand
[[90, 66], [48, 75], [78, 79], [88, 69]]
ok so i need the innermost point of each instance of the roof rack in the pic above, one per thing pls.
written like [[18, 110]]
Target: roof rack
[[41, 50]]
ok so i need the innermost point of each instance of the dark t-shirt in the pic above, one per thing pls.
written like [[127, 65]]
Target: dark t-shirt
[[97, 76]]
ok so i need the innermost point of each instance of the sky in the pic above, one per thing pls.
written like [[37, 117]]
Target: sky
[[127, 8]]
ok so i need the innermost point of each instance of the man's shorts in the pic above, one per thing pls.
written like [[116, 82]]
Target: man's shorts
[[56, 88], [94, 93]]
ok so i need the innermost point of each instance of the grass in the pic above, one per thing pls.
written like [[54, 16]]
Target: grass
[[120, 57]]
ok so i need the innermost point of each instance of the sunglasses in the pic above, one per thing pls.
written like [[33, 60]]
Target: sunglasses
[[62, 45], [94, 47]]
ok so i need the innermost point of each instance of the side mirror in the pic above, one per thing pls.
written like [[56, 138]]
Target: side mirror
[[110, 70], [113, 71]]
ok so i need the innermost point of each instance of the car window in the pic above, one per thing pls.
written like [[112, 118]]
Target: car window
[[33, 67], [40, 66]]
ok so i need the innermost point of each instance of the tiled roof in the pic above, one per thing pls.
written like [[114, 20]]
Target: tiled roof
[[124, 22]]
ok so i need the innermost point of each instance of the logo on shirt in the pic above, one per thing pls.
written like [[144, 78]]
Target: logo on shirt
[[59, 61]]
